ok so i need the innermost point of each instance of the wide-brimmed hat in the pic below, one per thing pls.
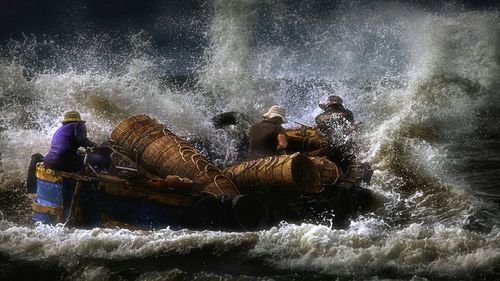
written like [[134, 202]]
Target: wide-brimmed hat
[[330, 101], [276, 111], [72, 116]]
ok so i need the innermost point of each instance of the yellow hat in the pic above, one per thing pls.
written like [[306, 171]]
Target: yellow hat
[[72, 116]]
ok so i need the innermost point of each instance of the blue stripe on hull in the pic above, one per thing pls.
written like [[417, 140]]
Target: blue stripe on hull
[[49, 193], [140, 213], [93, 203], [44, 218]]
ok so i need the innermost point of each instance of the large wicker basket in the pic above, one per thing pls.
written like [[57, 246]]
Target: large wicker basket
[[290, 173], [328, 170], [305, 139], [162, 153]]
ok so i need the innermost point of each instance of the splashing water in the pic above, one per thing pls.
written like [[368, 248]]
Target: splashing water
[[423, 83]]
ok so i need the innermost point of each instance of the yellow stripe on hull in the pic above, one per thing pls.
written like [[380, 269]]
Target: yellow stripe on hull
[[57, 212], [46, 174]]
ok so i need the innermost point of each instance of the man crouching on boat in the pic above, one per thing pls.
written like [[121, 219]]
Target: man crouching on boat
[[67, 139], [337, 124], [268, 137], [335, 117]]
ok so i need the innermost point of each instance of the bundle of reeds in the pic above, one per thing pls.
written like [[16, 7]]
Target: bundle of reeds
[[328, 170], [162, 153], [289, 173]]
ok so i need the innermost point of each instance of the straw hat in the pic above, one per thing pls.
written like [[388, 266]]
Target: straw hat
[[330, 101], [72, 116], [276, 111]]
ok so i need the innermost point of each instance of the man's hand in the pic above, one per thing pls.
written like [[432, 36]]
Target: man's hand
[[93, 145], [280, 147], [282, 142]]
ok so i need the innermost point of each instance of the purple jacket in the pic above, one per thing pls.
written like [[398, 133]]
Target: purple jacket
[[65, 143]]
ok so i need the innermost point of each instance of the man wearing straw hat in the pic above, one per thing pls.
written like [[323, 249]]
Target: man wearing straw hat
[[335, 116], [67, 139], [268, 137], [337, 124]]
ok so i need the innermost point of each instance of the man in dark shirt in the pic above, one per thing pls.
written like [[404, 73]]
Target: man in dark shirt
[[68, 138], [268, 138], [336, 123], [335, 117]]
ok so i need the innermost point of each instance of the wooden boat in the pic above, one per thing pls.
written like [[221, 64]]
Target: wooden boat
[[128, 197], [153, 180]]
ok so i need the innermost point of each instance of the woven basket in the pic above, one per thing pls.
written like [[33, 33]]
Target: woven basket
[[293, 173], [162, 153], [328, 170], [135, 134], [305, 140]]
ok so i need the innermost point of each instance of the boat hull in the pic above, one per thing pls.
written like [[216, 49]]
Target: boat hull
[[109, 201]]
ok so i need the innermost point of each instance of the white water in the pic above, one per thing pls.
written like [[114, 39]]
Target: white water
[[416, 79], [367, 247]]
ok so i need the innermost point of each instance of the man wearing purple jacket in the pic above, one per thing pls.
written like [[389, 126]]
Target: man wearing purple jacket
[[68, 138]]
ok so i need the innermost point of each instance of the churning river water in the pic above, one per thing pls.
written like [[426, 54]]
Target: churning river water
[[424, 82]]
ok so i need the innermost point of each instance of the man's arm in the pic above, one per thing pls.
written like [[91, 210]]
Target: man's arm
[[349, 116], [282, 142], [81, 136]]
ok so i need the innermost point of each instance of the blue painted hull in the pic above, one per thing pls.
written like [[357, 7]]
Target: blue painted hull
[[98, 209]]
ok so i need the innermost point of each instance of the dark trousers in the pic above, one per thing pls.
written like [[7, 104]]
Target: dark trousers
[[67, 163]]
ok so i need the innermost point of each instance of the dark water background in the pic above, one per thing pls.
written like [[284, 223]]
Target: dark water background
[[422, 76]]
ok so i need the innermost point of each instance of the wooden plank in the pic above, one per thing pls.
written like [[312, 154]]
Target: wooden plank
[[131, 191]]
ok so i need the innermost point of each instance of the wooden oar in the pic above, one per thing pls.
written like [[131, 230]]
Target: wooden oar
[[76, 195]]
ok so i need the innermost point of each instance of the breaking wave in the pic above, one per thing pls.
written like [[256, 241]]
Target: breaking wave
[[368, 247], [423, 83]]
